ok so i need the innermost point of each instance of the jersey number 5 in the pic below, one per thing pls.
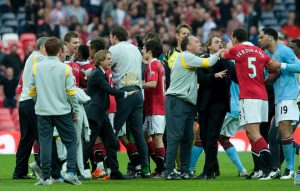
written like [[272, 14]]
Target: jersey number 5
[[252, 66]]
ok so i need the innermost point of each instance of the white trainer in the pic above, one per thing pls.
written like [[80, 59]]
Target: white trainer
[[287, 174], [36, 170], [243, 173]]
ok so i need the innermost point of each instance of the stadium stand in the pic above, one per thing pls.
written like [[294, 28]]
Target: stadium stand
[[22, 22]]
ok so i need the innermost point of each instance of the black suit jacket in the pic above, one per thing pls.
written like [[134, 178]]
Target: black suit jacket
[[99, 89], [211, 89]]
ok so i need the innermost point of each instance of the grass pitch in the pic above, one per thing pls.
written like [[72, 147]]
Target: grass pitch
[[227, 181]]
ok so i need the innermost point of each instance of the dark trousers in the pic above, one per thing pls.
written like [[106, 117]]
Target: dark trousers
[[211, 121], [66, 130], [9, 102], [131, 110], [29, 133], [55, 162], [180, 116], [106, 132]]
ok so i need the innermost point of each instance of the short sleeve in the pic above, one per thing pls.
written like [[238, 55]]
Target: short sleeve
[[230, 54], [152, 73]]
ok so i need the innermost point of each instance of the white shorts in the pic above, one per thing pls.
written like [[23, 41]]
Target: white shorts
[[253, 111], [154, 124], [122, 131], [230, 126], [286, 110]]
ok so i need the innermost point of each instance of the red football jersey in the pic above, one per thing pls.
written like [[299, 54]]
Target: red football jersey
[[86, 67], [76, 72], [155, 97], [249, 64], [112, 102]]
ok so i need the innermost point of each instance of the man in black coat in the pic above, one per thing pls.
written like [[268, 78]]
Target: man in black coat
[[99, 90], [213, 103]]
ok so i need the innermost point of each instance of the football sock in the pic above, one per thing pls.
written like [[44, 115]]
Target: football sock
[[36, 150], [260, 149], [197, 149], [160, 154], [151, 150], [98, 155], [288, 151], [234, 157], [133, 154]]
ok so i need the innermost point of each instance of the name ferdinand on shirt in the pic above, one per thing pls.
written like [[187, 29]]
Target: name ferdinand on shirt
[[249, 50]]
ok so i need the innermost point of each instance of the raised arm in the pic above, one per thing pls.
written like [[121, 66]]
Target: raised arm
[[291, 63], [191, 61]]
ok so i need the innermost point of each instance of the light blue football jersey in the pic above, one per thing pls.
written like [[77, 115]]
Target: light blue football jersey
[[234, 100], [286, 85]]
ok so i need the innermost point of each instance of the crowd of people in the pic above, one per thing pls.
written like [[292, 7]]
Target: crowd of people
[[80, 93], [91, 19], [94, 19], [78, 100]]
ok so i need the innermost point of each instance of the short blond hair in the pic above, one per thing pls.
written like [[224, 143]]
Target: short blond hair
[[100, 56]]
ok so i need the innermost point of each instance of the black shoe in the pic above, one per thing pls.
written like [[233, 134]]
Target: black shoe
[[137, 174], [205, 176], [16, 177], [186, 176], [217, 173], [118, 176], [172, 176], [255, 175], [146, 175], [81, 177]]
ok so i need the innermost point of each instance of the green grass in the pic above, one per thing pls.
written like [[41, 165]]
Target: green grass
[[227, 181]]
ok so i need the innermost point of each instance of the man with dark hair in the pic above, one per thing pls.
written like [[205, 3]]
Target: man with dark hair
[[126, 75], [10, 84], [180, 105], [119, 32], [28, 124], [52, 83], [240, 34], [152, 36], [295, 46], [154, 105], [97, 44], [87, 67], [83, 52], [286, 92], [182, 31], [72, 42], [250, 62], [13, 60], [80, 61]]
